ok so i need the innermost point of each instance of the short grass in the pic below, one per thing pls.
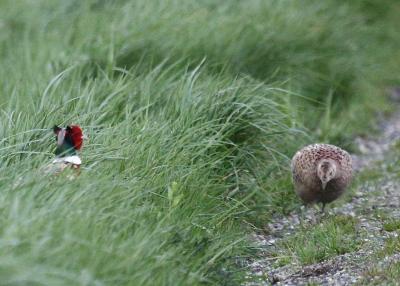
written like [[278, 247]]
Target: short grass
[[392, 225], [193, 110], [314, 243], [388, 275], [391, 246]]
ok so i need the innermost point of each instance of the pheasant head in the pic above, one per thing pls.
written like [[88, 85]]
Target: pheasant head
[[326, 171], [69, 140]]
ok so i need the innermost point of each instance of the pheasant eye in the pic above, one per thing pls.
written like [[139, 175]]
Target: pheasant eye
[[56, 129]]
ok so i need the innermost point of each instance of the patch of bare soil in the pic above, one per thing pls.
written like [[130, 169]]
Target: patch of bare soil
[[372, 197]]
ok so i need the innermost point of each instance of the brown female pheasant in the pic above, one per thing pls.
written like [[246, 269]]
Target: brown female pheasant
[[321, 173]]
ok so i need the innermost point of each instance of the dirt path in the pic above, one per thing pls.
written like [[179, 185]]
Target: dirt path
[[375, 209]]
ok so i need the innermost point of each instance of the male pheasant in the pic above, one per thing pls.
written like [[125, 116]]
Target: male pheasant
[[69, 142]]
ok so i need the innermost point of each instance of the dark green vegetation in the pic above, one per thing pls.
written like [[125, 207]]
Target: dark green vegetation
[[192, 109], [392, 225]]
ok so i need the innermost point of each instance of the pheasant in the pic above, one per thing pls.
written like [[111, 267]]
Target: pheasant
[[321, 173], [69, 142]]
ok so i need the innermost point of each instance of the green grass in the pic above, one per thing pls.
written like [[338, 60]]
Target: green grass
[[392, 246], [388, 275], [315, 243], [193, 110], [392, 225]]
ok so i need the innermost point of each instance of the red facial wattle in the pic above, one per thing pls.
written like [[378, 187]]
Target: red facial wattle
[[77, 136]]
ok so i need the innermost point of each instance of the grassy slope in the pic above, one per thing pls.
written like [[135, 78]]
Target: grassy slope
[[192, 110]]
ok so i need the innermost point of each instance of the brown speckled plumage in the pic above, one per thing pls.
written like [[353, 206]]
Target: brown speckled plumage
[[306, 181]]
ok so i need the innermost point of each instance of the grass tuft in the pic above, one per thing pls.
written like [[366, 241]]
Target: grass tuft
[[392, 225], [312, 244]]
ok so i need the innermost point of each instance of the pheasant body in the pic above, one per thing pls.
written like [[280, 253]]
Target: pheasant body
[[69, 142], [321, 173]]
